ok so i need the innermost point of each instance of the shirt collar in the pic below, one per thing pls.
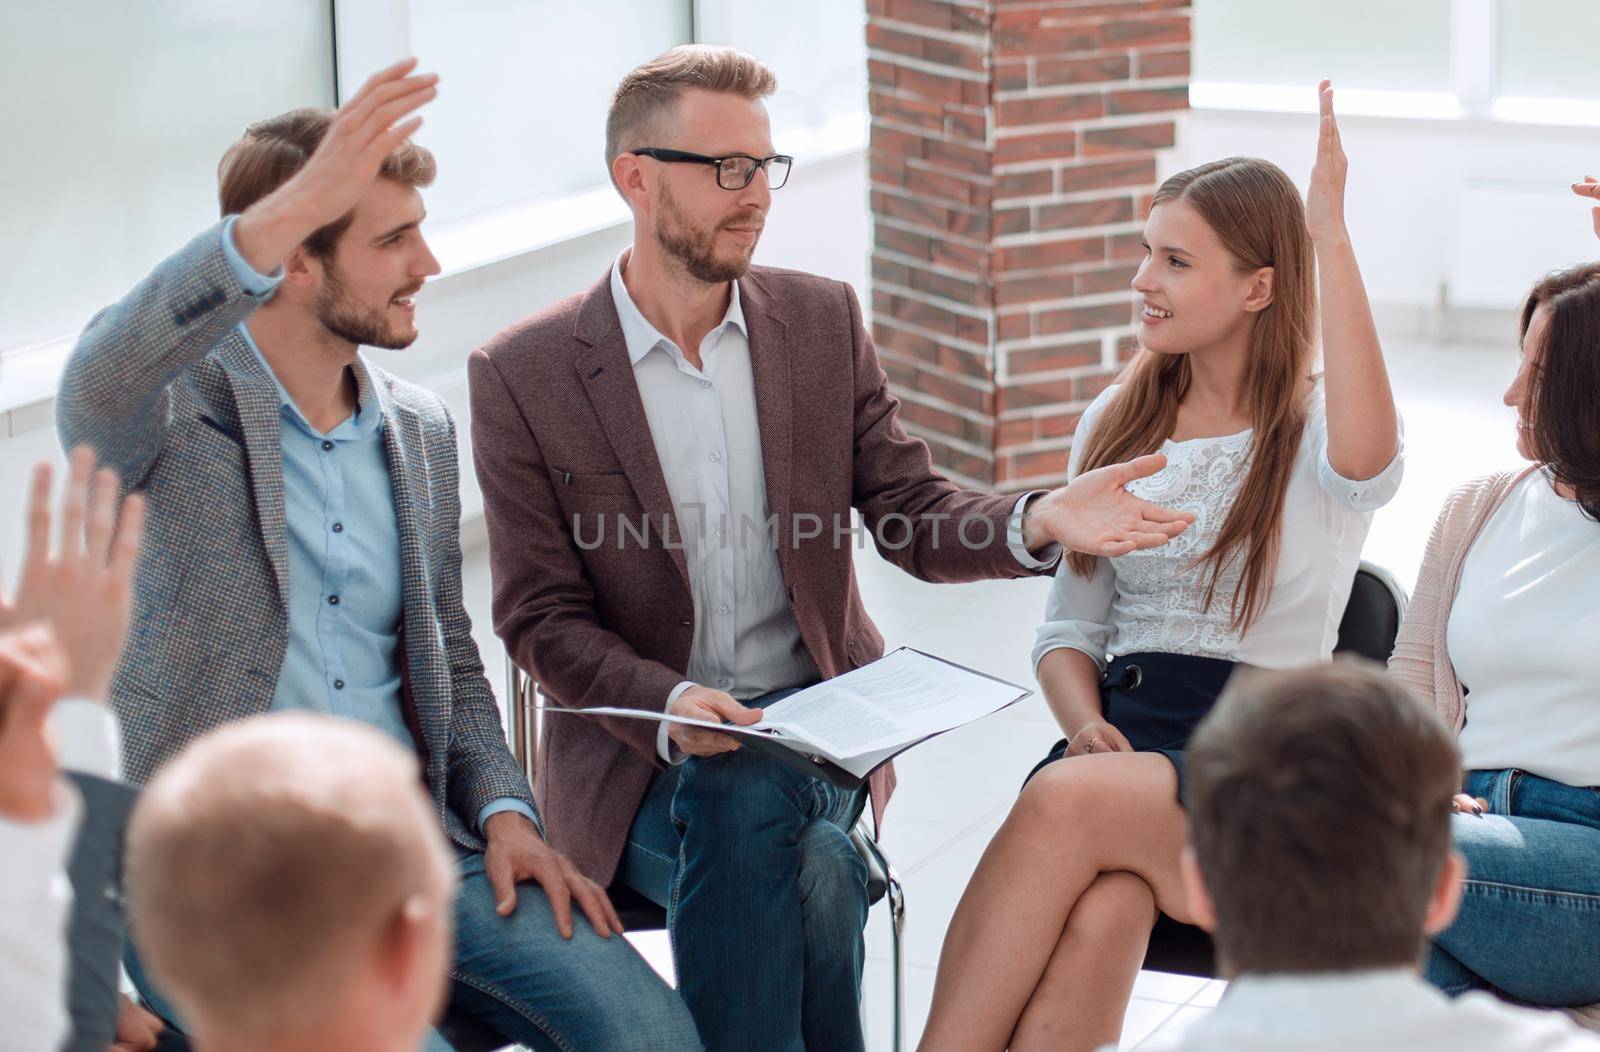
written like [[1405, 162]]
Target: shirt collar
[[640, 335], [1300, 1002], [368, 395]]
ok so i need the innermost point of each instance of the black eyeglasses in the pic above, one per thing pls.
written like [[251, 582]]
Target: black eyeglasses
[[734, 171]]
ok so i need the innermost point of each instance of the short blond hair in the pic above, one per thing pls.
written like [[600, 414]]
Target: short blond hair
[[647, 96], [265, 863]]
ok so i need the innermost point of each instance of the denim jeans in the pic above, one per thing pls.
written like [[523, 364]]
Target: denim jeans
[[1529, 925], [765, 895], [518, 975]]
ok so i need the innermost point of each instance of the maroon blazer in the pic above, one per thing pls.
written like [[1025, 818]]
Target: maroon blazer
[[559, 430]]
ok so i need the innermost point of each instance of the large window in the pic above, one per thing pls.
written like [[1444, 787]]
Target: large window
[[118, 112], [1517, 60], [116, 116], [524, 87], [1282, 42], [818, 49], [1546, 47]]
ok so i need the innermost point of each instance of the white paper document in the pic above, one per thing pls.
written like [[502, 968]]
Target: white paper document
[[868, 715]]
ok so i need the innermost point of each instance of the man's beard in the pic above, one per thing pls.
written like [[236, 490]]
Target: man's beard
[[349, 319], [697, 249]]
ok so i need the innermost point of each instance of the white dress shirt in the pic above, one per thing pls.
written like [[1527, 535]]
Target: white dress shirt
[[708, 440], [1153, 600], [1522, 635], [34, 893], [1373, 1011]]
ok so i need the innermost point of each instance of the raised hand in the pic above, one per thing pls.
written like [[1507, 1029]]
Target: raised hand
[[32, 669], [366, 129], [1591, 189], [1325, 195], [83, 589], [1094, 513]]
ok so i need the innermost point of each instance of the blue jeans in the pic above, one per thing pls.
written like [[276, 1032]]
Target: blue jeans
[[765, 895], [1529, 926], [519, 976]]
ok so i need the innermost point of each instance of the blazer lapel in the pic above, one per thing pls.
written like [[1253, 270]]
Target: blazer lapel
[[408, 478], [255, 397], [770, 363], [607, 377]]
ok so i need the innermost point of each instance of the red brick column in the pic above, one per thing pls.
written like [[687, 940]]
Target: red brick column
[[1013, 152]]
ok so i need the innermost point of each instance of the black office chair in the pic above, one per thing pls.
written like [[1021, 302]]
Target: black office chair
[[1370, 623], [638, 913]]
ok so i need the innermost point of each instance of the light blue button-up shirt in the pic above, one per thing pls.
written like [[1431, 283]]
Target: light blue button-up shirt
[[345, 601]]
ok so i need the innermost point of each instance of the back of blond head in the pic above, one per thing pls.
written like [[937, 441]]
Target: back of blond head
[[265, 863], [645, 99]]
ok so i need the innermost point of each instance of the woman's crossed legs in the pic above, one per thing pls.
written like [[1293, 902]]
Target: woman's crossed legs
[[1048, 937]]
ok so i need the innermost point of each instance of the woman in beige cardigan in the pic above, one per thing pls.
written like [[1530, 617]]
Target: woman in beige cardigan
[[1504, 635]]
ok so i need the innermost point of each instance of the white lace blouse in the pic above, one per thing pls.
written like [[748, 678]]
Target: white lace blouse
[[1153, 600]]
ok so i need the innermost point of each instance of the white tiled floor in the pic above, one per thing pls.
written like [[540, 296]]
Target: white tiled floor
[[955, 791]]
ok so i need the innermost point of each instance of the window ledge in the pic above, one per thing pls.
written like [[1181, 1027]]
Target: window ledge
[[1392, 104], [28, 381]]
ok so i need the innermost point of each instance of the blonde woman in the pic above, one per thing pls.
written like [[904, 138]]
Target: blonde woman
[[1282, 469]]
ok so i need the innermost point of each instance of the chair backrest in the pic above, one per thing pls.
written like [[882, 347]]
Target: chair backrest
[[1372, 615]]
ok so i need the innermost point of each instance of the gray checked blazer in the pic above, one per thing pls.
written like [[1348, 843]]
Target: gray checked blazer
[[168, 392]]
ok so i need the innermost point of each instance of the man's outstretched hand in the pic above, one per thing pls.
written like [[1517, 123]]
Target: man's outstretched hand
[[1095, 514]]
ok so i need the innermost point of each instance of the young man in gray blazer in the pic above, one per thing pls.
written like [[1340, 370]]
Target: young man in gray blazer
[[698, 396], [303, 549]]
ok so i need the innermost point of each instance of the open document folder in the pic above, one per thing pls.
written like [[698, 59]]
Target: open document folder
[[846, 727]]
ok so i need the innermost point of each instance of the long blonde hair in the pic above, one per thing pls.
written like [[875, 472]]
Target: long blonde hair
[[1256, 212]]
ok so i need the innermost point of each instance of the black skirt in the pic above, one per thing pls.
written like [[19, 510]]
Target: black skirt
[[1156, 701]]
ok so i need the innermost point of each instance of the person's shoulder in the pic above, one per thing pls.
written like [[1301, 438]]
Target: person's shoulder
[[544, 331], [795, 293], [1513, 1028], [1096, 406], [1475, 497], [783, 279], [404, 394]]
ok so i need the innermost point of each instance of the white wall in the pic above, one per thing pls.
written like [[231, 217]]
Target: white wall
[[819, 222]]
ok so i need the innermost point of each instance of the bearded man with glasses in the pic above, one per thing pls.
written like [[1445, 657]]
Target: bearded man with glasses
[[669, 461]]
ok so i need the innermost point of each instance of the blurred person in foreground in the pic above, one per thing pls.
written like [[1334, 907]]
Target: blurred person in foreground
[[328, 926], [61, 632], [1320, 808]]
